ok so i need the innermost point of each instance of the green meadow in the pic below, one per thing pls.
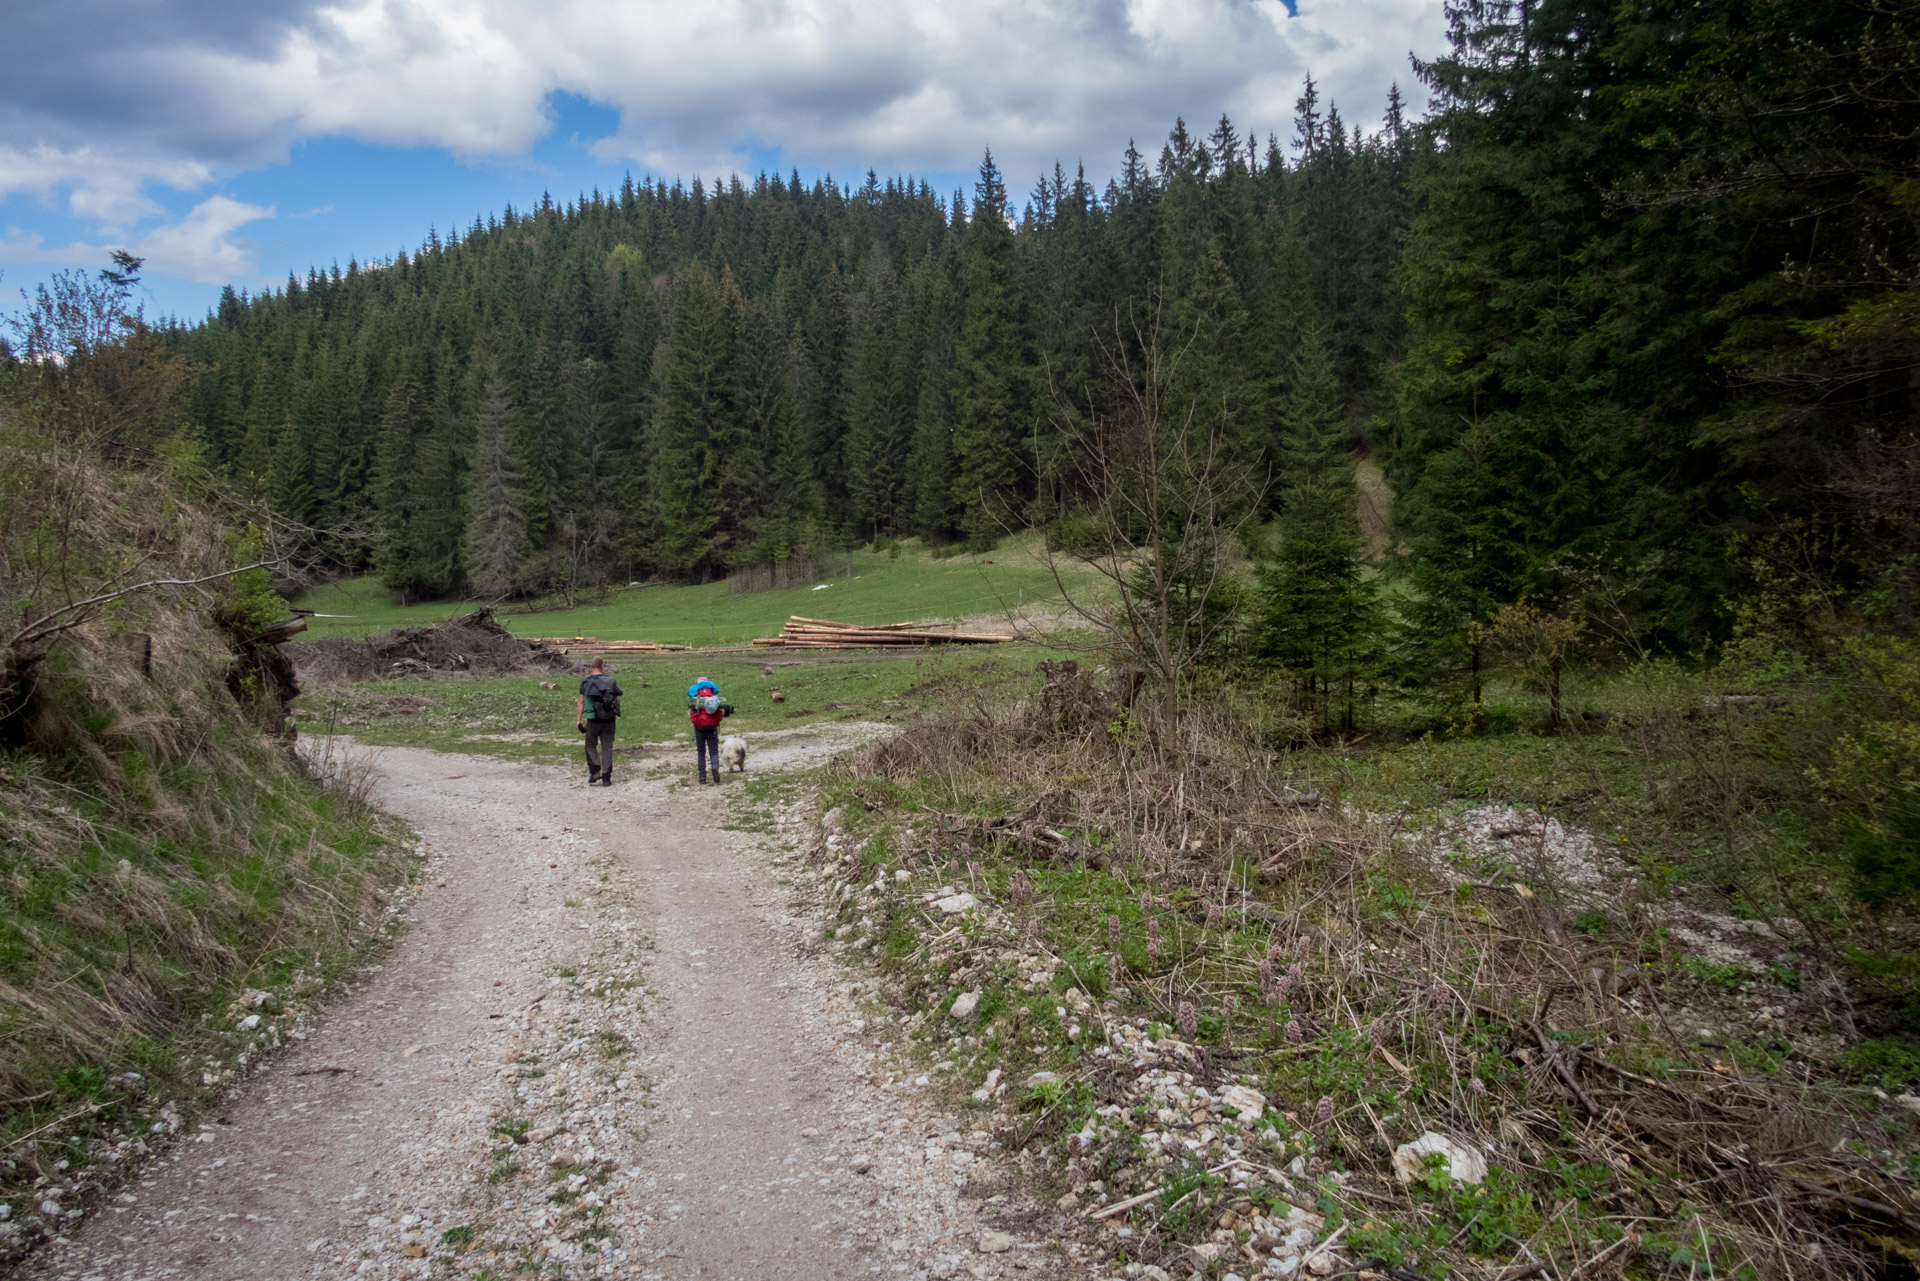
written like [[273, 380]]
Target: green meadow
[[907, 585]]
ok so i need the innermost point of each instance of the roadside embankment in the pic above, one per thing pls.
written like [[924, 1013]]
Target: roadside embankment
[[177, 891]]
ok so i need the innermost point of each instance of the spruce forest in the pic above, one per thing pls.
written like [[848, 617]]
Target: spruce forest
[[1629, 311]]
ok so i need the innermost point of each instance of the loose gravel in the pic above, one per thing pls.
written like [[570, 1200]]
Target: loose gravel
[[609, 1045]]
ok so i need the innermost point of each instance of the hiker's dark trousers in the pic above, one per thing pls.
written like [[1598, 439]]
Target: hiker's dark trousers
[[600, 750], [706, 747]]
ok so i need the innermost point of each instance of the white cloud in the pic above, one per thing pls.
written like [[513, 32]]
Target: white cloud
[[105, 189], [199, 88], [25, 247], [917, 84], [201, 246]]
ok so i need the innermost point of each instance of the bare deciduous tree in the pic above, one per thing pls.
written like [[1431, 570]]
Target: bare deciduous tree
[[1167, 500]]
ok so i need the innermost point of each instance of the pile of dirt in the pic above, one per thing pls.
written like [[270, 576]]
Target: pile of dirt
[[473, 644]]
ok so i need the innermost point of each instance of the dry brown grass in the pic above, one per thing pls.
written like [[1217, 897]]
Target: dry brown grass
[[1475, 1014]]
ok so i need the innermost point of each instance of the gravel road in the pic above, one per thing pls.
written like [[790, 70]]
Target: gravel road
[[606, 1047]]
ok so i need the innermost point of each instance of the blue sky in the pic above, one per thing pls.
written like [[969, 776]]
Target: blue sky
[[233, 141]]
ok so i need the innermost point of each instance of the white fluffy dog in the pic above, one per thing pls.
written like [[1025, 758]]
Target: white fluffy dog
[[733, 754]]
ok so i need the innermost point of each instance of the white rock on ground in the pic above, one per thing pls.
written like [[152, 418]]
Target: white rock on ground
[[1246, 1101], [1464, 1164]]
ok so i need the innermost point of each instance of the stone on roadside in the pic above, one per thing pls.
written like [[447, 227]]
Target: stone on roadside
[[964, 1005], [992, 1242], [957, 903], [1248, 1102], [1464, 1164]]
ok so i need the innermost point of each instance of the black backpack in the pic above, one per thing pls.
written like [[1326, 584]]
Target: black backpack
[[606, 699]]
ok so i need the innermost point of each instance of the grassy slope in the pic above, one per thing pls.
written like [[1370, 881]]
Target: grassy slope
[[880, 589], [175, 890]]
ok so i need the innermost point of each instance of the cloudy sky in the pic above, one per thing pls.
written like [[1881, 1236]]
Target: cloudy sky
[[230, 141]]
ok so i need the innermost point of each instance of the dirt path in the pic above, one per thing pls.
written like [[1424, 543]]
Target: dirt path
[[603, 1049]]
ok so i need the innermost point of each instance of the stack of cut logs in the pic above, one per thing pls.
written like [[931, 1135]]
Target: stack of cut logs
[[589, 645], [818, 633]]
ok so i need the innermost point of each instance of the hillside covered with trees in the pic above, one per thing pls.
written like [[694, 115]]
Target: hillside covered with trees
[[681, 379], [1628, 315]]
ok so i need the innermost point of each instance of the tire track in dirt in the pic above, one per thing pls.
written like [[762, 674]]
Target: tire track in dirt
[[742, 1135]]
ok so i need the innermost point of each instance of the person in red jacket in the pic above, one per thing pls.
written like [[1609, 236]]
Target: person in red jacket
[[705, 711]]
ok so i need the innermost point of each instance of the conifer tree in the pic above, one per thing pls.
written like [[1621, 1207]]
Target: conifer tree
[[933, 512], [876, 412], [992, 414], [400, 471], [497, 527], [697, 435], [1323, 619], [290, 481], [1216, 386], [544, 442]]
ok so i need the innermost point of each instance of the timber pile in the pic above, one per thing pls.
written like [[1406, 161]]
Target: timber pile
[[819, 633], [590, 645]]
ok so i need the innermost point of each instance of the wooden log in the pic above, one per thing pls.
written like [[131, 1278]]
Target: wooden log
[[284, 630]]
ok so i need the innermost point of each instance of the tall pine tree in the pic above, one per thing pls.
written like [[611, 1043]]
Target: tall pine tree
[[993, 414]]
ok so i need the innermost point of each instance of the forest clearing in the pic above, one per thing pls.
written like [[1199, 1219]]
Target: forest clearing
[[1018, 582]]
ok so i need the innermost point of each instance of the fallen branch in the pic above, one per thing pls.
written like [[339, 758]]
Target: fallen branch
[[1306, 1260], [45, 626], [88, 1110], [1558, 1063], [1108, 1211]]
